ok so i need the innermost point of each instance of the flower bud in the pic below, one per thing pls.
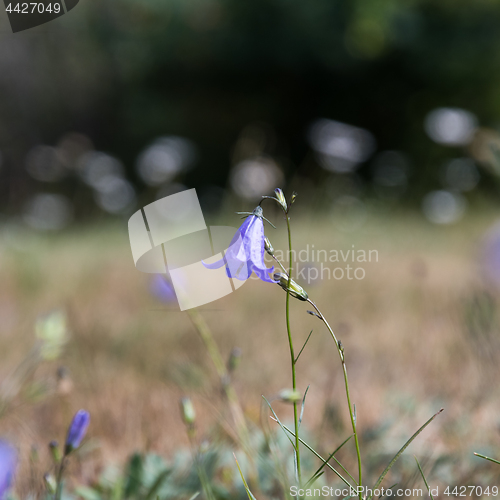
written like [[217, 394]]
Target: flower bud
[[268, 247], [281, 198], [341, 347], [77, 430], [55, 452], [295, 290], [290, 396], [50, 483], [234, 359], [34, 456], [188, 413], [294, 197]]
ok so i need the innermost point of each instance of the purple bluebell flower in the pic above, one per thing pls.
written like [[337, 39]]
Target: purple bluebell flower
[[246, 251], [8, 464], [161, 287], [77, 430]]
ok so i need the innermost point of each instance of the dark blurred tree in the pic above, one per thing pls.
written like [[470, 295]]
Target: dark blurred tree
[[127, 71]]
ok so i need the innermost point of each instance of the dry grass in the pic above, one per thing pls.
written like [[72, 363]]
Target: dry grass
[[130, 358]]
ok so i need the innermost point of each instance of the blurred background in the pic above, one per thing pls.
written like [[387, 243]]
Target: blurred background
[[383, 115], [116, 103]]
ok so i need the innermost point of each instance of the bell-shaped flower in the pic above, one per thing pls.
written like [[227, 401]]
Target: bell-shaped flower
[[246, 251], [163, 289], [8, 464]]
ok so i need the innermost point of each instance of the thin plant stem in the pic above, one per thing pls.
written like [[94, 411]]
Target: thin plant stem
[[349, 404], [234, 404], [205, 483], [59, 479], [280, 264], [292, 352], [215, 355]]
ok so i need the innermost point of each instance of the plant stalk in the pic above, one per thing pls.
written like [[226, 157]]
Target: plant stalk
[[351, 412], [292, 352], [59, 479], [214, 353]]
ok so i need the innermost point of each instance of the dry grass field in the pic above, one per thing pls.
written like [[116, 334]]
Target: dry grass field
[[421, 331]]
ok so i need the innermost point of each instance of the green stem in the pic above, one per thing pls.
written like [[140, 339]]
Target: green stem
[[214, 353], [292, 352], [59, 482], [235, 408], [205, 483], [351, 413]]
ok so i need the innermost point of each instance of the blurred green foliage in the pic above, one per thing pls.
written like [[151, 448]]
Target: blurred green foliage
[[126, 71]]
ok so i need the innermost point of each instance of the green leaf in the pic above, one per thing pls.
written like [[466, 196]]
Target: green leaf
[[312, 450], [303, 404], [487, 458], [87, 493], [157, 484], [314, 479], [279, 422], [325, 462], [135, 476], [423, 477], [305, 343], [247, 489], [400, 452]]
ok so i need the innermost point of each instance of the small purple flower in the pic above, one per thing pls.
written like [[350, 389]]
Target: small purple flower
[[161, 287], [8, 464], [77, 430], [246, 251]]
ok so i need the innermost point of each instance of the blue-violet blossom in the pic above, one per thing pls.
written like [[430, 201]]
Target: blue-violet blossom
[[8, 464], [246, 251], [77, 430], [161, 287]]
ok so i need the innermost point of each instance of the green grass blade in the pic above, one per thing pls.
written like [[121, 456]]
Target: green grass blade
[[400, 452], [279, 422], [156, 485], [314, 479], [487, 458], [423, 477], [312, 450], [196, 495], [303, 404], [328, 459], [247, 489], [307, 340]]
